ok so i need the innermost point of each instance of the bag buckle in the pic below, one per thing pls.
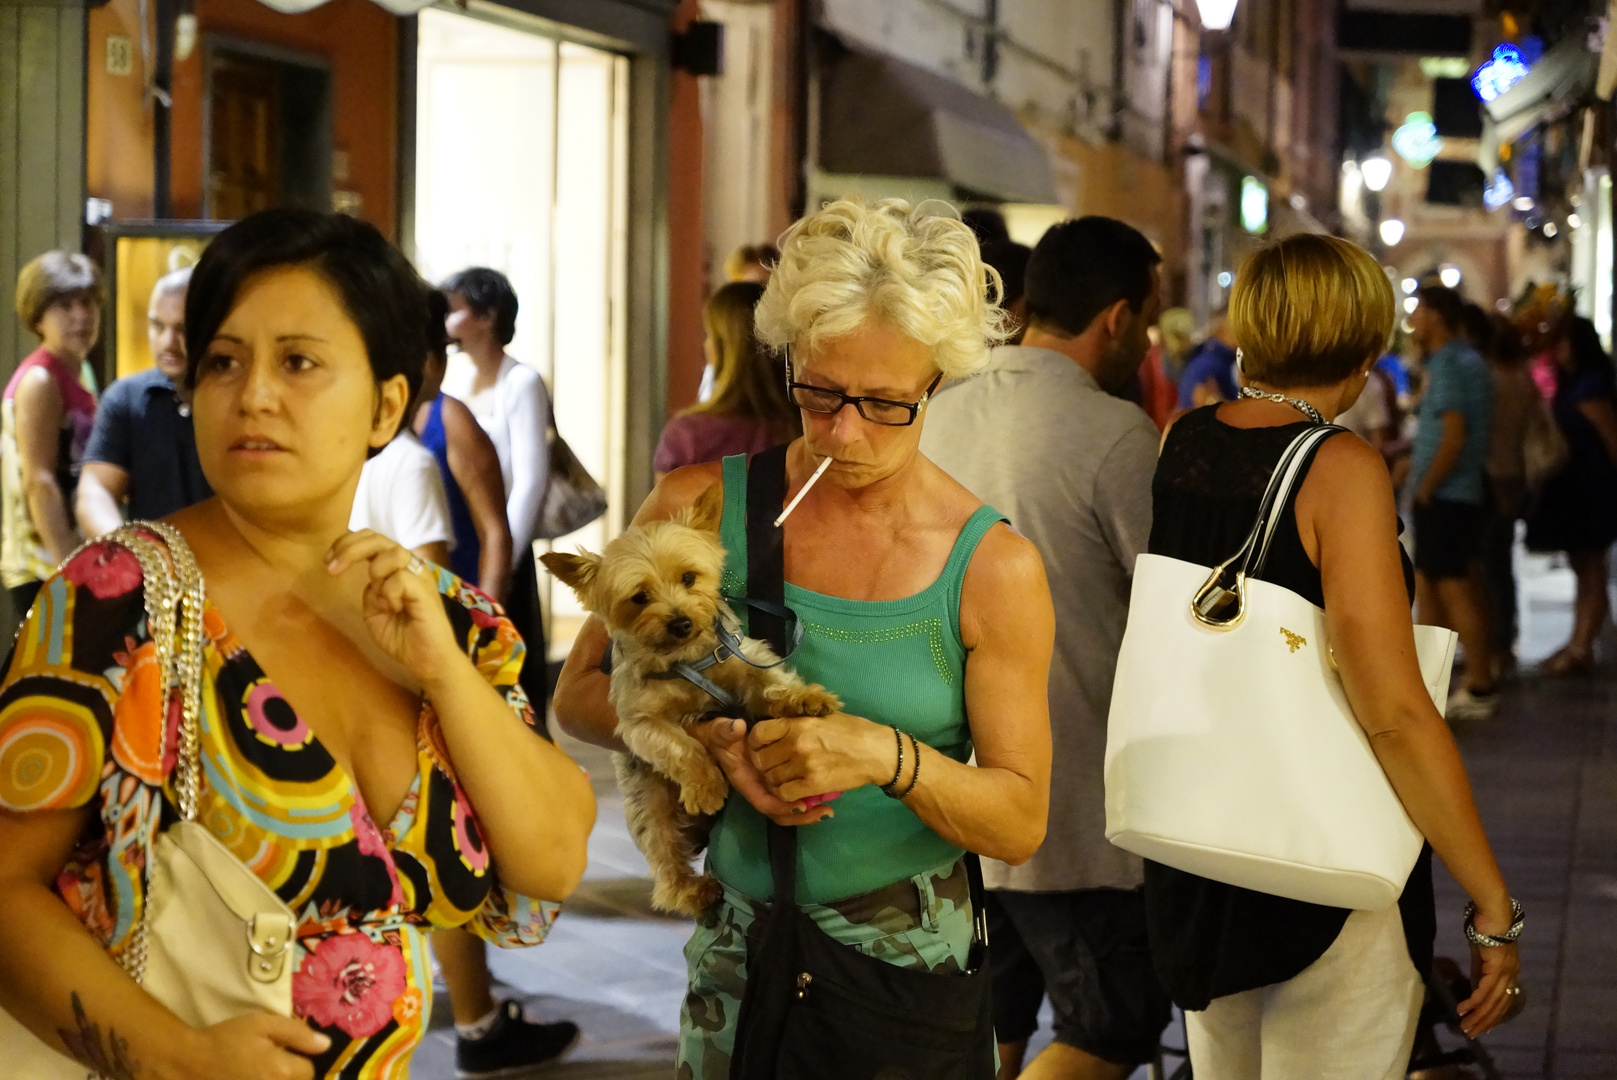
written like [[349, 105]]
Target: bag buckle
[[269, 936], [1217, 606]]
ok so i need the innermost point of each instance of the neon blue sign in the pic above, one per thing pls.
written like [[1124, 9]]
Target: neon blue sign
[[1499, 191], [1504, 70], [1417, 142]]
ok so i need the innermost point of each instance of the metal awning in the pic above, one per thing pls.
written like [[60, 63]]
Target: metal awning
[[880, 116], [298, 7]]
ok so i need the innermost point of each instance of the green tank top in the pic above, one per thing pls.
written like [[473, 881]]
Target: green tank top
[[897, 662]]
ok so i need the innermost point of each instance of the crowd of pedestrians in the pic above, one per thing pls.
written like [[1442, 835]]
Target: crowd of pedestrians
[[976, 443]]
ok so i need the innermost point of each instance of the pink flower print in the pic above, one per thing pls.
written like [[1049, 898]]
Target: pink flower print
[[369, 839], [349, 982], [106, 569]]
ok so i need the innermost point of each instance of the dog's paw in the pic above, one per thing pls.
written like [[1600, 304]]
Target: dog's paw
[[686, 896], [706, 793], [807, 699]]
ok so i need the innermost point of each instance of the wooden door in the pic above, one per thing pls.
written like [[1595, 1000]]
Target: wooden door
[[244, 166]]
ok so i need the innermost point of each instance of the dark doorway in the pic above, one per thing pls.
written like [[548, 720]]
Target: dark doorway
[[267, 132]]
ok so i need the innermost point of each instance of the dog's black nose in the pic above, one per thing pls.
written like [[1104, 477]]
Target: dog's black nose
[[679, 627]]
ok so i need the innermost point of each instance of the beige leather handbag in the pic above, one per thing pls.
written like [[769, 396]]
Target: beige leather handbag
[[214, 941]]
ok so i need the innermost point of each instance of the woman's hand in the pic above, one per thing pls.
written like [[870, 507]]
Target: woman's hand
[[257, 1046], [726, 740], [402, 610], [801, 756], [1493, 973]]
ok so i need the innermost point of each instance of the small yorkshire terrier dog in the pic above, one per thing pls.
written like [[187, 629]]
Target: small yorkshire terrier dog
[[657, 588]]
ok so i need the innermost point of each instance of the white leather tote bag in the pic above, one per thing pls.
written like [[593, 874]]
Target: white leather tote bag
[[214, 942], [1232, 751]]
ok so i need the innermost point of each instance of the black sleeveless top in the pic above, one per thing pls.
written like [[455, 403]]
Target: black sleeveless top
[[1209, 939]]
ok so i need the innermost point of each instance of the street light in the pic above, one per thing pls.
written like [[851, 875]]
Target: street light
[[1216, 14], [1377, 171], [1392, 231]]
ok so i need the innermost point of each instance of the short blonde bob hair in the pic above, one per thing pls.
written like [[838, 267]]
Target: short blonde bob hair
[[1309, 310], [915, 269]]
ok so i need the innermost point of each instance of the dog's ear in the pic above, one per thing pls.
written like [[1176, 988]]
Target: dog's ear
[[708, 509], [575, 571]]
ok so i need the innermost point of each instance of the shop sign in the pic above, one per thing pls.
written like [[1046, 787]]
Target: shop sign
[[1505, 69], [1417, 142], [1499, 191], [1254, 205]]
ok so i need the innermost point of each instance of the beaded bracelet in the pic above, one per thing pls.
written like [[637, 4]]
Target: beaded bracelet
[[915, 776], [898, 770]]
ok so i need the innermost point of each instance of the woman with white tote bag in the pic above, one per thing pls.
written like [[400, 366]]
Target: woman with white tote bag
[[1278, 988]]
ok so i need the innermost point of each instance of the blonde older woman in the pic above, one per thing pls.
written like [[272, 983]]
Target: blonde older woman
[[922, 610], [1277, 987]]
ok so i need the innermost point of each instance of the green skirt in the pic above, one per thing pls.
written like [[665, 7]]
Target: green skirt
[[923, 921]]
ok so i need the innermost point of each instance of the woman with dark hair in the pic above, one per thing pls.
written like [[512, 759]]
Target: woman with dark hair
[[748, 411], [368, 753], [45, 420], [512, 405], [1577, 510]]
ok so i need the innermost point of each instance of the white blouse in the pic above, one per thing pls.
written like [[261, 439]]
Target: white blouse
[[515, 412]]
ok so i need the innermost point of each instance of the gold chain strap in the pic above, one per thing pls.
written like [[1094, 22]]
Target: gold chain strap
[[174, 597]]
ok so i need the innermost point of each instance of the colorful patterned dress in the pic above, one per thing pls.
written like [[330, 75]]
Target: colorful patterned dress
[[79, 703]]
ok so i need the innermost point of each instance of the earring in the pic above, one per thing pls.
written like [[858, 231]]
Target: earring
[[1240, 366]]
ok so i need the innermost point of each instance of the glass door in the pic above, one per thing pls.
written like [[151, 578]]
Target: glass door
[[521, 166]]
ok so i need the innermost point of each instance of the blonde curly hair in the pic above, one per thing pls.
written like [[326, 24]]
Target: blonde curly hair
[[915, 269]]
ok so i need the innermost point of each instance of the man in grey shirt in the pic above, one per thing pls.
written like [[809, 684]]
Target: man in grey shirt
[[1040, 437]]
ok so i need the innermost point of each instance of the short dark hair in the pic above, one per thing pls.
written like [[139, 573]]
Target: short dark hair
[[437, 330], [487, 292], [1477, 326], [1587, 352], [1449, 305], [988, 223], [1010, 259], [381, 293], [1083, 267]]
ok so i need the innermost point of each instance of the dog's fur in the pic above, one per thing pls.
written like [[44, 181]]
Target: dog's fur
[[657, 588]]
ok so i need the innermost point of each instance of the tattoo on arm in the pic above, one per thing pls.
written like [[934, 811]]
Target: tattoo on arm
[[111, 1060]]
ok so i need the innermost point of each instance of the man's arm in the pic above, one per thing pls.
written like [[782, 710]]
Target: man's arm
[[99, 503], [1122, 499], [108, 461], [1447, 456]]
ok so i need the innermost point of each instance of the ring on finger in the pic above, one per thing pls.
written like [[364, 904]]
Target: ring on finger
[[1512, 991], [417, 565]]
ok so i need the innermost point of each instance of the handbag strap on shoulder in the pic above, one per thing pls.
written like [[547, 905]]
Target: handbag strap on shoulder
[[1288, 473]]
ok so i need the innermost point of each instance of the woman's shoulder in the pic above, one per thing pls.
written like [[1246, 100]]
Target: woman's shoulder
[[680, 489]]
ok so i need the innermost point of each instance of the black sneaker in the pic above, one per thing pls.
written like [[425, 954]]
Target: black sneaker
[[513, 1045]]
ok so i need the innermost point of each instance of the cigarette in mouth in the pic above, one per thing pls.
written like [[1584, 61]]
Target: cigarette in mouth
[[824, 465]]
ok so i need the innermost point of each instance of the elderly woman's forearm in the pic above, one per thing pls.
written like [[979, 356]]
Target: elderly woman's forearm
[[996, 812], [1423, 764], [56, 978]]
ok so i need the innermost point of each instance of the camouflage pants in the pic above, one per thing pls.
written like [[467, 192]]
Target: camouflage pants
[[920, 921]]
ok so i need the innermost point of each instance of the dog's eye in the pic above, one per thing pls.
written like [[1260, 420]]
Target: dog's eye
[[689, 579], [640, 598]]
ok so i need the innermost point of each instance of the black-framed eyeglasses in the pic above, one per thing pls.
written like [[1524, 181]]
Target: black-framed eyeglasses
[[820, 399]]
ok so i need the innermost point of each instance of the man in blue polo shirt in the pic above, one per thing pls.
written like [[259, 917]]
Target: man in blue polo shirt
[[143, 450], [1447, 472]]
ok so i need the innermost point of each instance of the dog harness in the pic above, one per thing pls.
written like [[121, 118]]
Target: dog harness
[[730, 645]]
